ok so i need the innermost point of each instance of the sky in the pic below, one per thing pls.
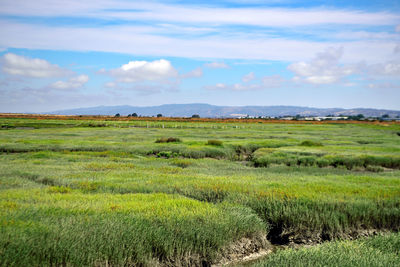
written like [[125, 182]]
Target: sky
[[65, 54]]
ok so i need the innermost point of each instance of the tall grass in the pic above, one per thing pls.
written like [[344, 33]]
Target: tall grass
[[304, 219], [75, 194], [266, 157], [373, 251], [56, 228]]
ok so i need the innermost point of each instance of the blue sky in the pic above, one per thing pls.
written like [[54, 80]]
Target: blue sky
[[67, 54]]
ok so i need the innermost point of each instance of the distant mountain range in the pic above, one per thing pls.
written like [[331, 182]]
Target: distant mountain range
[[206, 110]]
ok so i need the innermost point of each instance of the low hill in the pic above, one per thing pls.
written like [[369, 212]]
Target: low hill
[[206, 110]]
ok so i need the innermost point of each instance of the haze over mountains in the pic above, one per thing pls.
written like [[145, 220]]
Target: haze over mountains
[[206, 110]]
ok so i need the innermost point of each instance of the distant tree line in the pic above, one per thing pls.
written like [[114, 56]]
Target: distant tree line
[[358, 117], [159, 115]]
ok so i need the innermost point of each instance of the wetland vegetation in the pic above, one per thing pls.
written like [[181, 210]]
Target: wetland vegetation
[[182, 193]]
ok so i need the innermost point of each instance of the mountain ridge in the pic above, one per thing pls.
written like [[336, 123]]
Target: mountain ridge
[[212, 111]]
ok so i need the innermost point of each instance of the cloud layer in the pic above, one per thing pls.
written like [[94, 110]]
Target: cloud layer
[[216, 65], [30, 67], [212, 15], [139, 71], [72, 83], [323, 69], [266, 82], [226, 47], [207, 31]]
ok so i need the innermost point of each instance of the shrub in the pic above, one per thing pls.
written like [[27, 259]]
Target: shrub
[[97, 125], [192, 153], [183, 163], [387, 162], [306, 161], [167, 154], [215, 153], [214, 143], [374, 169], [310, 143], [262, 162], [322, 162], [59, 189], [87, 186], [168, 140], [351, 162]]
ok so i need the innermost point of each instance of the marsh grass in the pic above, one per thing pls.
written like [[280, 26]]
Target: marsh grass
[[82, 229], [183, 163], [310, 143], [168, 140], [214, 142], [265, 157], [373, 251], [74, 194]]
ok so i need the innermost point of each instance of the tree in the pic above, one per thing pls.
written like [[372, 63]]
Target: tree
[[159, 115], [385, 116], [357, 118], [117, 115], [134, 115], [196, 116]]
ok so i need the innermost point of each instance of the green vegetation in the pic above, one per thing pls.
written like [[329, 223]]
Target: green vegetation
[[376, 251], [104, 192], [46, 227], [214, 142], [310, 143], [168, 140]]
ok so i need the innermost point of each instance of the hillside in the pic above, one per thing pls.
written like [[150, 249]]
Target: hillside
[[206, 110]]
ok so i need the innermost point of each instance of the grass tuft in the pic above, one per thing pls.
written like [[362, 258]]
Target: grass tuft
[[168, 140], [214, 142], [310, 143]]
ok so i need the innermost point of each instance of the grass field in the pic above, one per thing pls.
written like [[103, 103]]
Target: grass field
[[134, 192], [373, 251]]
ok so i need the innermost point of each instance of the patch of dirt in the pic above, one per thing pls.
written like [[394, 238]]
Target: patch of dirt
[[244, 250], [296, 241], [241, 251]]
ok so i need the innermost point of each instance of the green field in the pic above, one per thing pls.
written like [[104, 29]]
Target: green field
[[119, 193]]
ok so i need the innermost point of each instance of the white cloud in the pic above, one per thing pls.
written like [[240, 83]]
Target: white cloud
[[323, 69], [110, 84], [196, 73], [384, 85], [267, 82], [237, 45], [72, 83], [140, 71], [398, 28], [216, 65], [147, 77], [248, 77], [328, 79], [272, 81], [201, 31], [396, 49], [200, 15], [30, 67], [234, 87], [391, 68], [362, 35]]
